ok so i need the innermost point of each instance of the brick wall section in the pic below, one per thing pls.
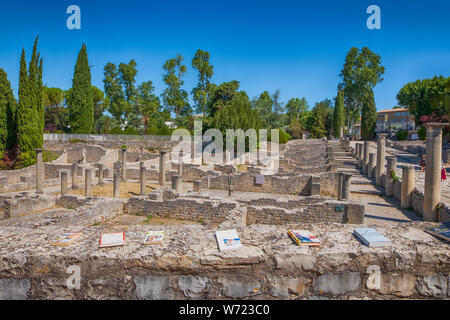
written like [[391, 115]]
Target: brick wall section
[[16, 205]]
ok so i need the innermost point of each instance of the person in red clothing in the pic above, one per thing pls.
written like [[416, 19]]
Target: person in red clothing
[[443, 173], [422, 162]]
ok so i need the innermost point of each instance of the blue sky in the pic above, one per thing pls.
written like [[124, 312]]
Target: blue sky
[[298, 46]]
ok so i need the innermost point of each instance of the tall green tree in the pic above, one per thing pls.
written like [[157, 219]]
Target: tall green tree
[[221, 96], [368, 117], [8, 125], [101, 103], [426, 97], [361, 72], [321, 120], [114, 92], [339, 114], [30, 135], [295, 107], [200, 93], [263, 104], [80, 99], [55, 113], [175, 98], [148, 104], [277, 110]]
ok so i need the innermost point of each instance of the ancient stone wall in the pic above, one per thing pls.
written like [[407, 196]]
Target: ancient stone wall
[[188, 265]]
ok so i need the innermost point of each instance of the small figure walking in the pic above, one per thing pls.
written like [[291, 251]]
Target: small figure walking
[[422, 162], [443, 173]]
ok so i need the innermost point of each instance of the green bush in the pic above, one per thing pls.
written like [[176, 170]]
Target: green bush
[[27, 159], [402, 135], [284, 136], [116, 130], [77, 140], [422, 133], [131, 131]]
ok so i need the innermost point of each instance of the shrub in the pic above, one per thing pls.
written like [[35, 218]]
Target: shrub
[[131, 131], [116, 130], [77, 140], [284, 136], [422, 133], [402, 135]]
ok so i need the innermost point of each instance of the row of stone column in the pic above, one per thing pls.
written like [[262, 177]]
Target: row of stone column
[[432, 192]]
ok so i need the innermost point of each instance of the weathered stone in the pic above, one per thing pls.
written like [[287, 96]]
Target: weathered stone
[[14, 289], [284, 287], [238, 289], [153, 288], [336, 284], [401, 285], [193, 287]]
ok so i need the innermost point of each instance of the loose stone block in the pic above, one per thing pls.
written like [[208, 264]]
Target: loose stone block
[[153, 288], [177, 183], [197, 186]]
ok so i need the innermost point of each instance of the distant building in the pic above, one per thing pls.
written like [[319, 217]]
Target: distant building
[[394, 120]]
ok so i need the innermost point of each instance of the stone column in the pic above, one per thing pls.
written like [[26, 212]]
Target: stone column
[[433, 166], [389, 182], [360, 155], [124, 164], [379, 169], [74, 175], [176, 183], [407, 186], [87, 185], [162, 168], [101, 169], [63, 183], [341, 133], [180, 164], [142, 172], [39, 171], [346, 183], [370, 170], [197, 186], [365, 164], [339, 188], [116, 191]]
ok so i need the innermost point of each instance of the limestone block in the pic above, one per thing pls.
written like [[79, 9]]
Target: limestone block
[[432, 285], [193, 287], [284, 287], [239, 288], [336, 284], [153, 288], [14, 289]]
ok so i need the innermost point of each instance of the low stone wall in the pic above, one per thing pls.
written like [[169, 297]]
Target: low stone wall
[[214, 211], [328, 211], [15, 205], [132, 145], [444, 212], [188, 265]]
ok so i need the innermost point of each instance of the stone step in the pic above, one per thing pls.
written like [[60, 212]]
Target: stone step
[[371, 192]]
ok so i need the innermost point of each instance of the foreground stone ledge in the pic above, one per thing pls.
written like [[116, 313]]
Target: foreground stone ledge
[[189, 266]]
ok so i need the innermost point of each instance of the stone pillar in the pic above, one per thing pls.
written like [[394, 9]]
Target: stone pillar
[[379, 169], [87, 185], [116, 191], [162, 168], [315, 186], [433, 166], [339, 188], [101, 169], [360, 155], [142, 173], [197, 186], [341, 132], [180, 164], [389, 182], [39, 171], [63, 183], [407, 186], [230, 190], [74, 175], [346, 183], [124, 164], [365, 164], [371, 168], [177, 184]]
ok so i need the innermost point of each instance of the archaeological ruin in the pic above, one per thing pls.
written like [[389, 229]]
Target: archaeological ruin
[[327, 187]]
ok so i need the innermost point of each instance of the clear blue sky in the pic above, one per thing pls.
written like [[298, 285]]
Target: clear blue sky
[[295, 46]]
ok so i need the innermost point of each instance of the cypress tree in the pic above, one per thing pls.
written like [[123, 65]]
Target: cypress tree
[[368, 116], [338, 115], [80, 99], [28, 130], [8, 127]]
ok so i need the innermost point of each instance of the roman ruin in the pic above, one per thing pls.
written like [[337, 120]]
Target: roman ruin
[[320, 186]]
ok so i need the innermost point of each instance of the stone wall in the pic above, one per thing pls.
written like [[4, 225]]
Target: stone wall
[[16, 205], [132, 145], [188, 265]]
